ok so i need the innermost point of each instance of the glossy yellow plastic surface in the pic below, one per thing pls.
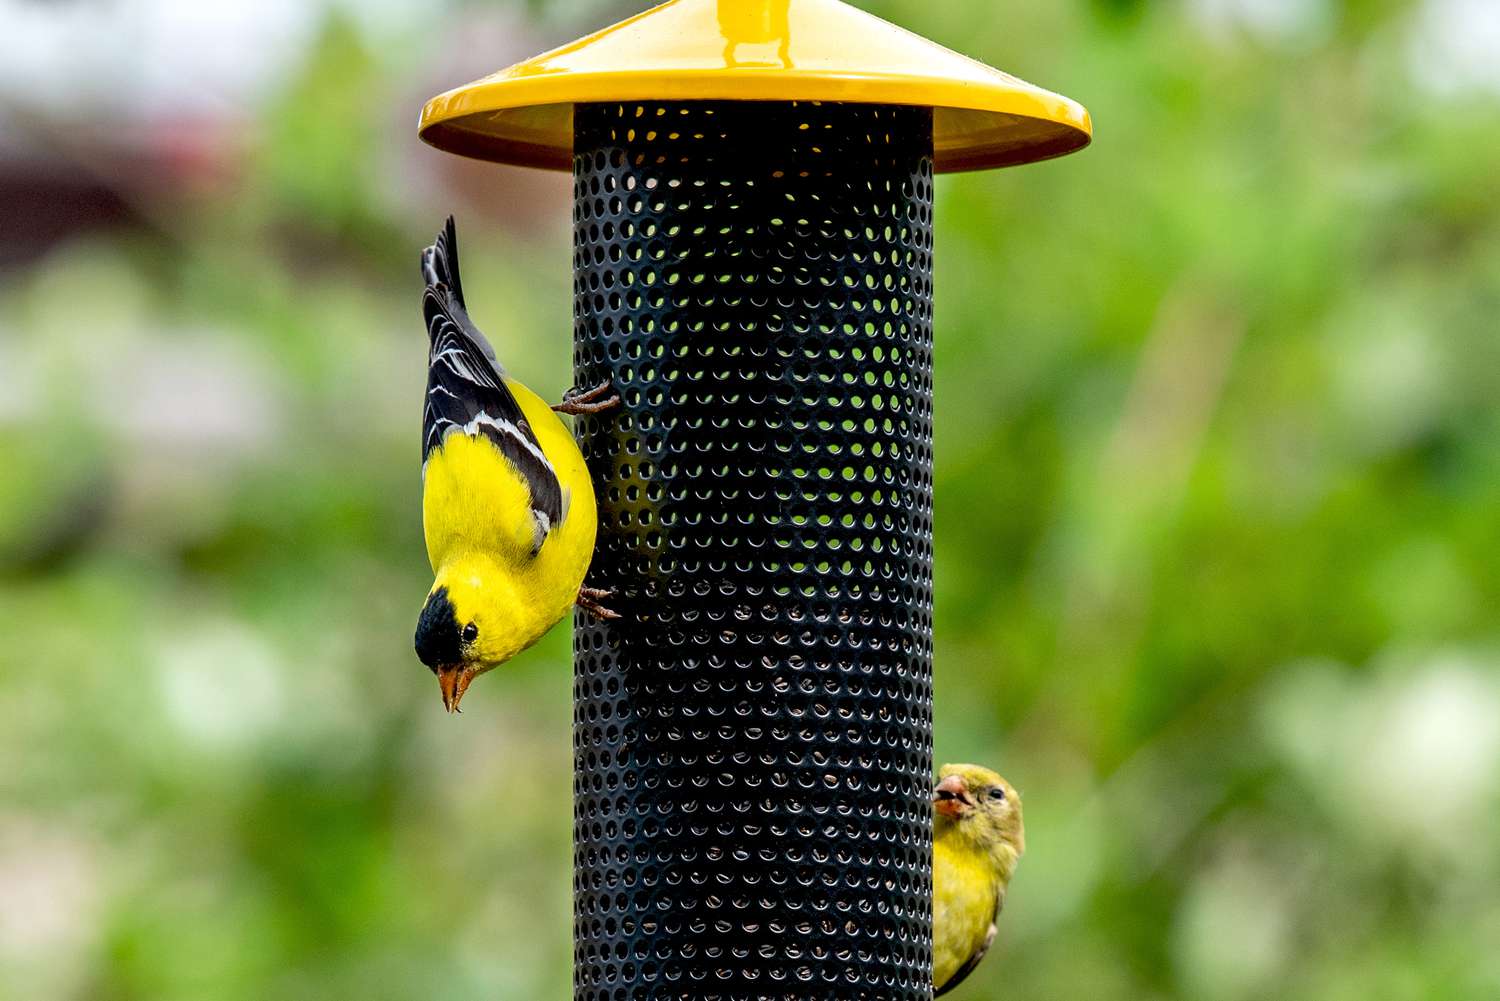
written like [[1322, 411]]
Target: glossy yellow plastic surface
[[755, 50]]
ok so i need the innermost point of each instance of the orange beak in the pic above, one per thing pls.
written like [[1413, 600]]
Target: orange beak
[[951, 798], [454, 681]]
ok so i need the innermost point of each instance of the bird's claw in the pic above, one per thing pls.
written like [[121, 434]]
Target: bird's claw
[[589, 598], [588, 401]]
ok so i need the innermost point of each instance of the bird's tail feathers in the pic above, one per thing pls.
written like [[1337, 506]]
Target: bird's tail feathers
[[444, 297], [440, 262]]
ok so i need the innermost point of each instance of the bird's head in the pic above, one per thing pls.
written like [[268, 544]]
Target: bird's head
[[979, 805], [464, 629]]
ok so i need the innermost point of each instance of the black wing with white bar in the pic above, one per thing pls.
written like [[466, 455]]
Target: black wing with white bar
[[466, 391]]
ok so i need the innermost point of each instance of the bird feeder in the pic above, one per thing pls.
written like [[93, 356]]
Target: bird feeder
[[752, 268]]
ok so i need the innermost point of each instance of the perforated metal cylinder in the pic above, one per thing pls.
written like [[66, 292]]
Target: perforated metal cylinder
[[752, 739]]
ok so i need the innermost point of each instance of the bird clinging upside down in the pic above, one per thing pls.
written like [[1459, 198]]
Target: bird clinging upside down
[[507, 504], [977, 838]]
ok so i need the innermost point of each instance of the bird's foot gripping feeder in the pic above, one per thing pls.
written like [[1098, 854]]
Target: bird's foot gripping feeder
[[753, 274]]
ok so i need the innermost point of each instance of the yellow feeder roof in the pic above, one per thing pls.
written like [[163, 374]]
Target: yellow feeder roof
[[755, 50]]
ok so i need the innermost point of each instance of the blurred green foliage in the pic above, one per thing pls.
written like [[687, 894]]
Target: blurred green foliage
[[1218, 543]]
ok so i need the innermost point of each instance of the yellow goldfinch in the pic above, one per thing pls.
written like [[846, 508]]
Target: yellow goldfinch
[[507, 504], [977, 837]]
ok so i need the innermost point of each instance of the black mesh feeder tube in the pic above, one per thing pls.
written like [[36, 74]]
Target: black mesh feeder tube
[[753, 272], [752, 740]]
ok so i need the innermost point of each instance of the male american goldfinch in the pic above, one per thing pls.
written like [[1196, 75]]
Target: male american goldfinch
[[977, 837], [507, 504]]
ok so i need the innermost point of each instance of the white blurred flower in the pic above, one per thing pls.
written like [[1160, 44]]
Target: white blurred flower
[[1233, 930], [1390, 378], [1304, 710], [221, 683], [1436, 737], [1408, 756], [49, 889], [1456, 46], [1267, 20]]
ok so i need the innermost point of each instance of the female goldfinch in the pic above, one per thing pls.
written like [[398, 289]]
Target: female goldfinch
[[977, 837], [507, 504]]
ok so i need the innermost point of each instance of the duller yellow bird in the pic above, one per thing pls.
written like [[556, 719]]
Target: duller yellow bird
[[977, 838], [507, 505]]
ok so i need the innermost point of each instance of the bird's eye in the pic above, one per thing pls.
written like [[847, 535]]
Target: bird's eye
[[997, 794], [471, 633]]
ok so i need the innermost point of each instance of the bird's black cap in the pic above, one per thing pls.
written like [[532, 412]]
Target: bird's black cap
[[438, 642]]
